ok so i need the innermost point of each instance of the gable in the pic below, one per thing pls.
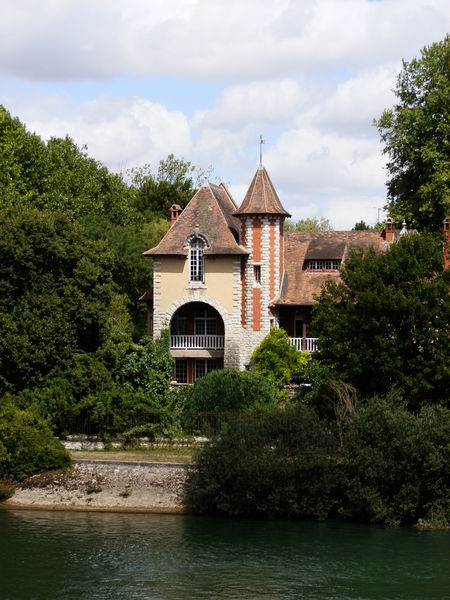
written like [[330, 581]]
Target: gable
[[300, 285], [208, 215]]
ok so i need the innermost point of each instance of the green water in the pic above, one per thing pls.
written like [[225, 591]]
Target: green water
[[62, 555]]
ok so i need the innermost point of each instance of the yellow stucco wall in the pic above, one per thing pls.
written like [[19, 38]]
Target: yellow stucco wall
[[218, 280]]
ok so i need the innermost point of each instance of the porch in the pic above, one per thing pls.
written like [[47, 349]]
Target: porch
[[197, 342]]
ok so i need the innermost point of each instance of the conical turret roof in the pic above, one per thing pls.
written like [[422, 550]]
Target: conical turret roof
[[261, 197]]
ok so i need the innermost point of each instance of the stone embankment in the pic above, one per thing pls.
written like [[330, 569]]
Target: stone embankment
[[106, 485]]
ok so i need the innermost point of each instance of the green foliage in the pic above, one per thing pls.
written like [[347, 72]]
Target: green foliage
[[309, 224], [228, 390], [57, 176], [22, 162], [397, 465], [175, 182], [278, 361], [131, 272], [56, 294], [277, 464], [114, 411], [382, 464], [148, 367], [27, 445], [386, 323], [416, 138], [361, 226]]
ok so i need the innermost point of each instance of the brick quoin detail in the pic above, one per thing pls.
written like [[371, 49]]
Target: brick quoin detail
[[243, 294], [256, 240], [256, 293], [281, 250], [272, 259], [243, 243]]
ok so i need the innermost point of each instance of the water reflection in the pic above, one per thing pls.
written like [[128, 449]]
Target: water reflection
[[66, 555]]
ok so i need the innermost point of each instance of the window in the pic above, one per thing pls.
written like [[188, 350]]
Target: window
[[181, 371], [315, 265], [180, 325], [323, 265], [205, 322], [196, 260], [331, 265], [257, 273], [203, 366]]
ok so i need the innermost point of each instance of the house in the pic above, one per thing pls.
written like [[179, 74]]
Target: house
[[223, 275]]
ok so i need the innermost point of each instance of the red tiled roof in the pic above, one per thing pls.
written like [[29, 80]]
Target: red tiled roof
[[210, 214], [261, 197], [299, 286]]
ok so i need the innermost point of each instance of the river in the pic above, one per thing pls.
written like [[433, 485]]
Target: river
[[91, 555]]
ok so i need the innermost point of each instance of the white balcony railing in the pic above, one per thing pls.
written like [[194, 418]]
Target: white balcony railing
[[309, 343], [197, 342]]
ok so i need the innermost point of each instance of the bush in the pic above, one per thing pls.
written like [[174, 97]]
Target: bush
[[113, 411], [27, 445], [278, 463], [279, 361], [397, 465], [228, 390]]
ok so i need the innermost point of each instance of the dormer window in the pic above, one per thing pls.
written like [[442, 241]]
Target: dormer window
[[196, 260], [322, 265]]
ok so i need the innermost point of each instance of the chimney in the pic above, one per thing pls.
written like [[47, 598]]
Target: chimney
[[175, 212], [389, 229], [446, 243]]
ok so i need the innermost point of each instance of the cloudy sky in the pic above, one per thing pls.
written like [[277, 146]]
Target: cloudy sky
[[135, 80]]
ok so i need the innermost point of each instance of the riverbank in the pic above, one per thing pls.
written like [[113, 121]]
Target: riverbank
[[106, 485]]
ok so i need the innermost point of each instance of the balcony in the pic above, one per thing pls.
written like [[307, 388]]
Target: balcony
[[197, 342], [309, 344]]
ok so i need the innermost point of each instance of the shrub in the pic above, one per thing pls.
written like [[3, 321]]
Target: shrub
[[27, 445], [227, 390], [279, 361], [113, 411], [278, 463], [396, 463], [148, 367]]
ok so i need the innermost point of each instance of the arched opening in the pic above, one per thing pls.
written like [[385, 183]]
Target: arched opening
[[197, 341]]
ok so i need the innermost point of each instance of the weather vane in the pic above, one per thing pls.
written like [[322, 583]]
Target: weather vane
[[261, 142]]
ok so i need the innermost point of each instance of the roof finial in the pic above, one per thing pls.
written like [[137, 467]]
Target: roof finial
[[261, 142]]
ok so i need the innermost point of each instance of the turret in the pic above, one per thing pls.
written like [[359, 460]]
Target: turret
[[262, 216]]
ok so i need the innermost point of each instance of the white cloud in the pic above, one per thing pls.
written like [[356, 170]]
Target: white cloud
[[308, 76], [212, 39], [264, 102], [357, 101], [120, 132]]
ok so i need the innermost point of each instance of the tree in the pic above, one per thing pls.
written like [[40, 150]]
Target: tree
[[386, 323], [396, 464], [130, 270], [22, 162], [27, 445], [56, 294], [277, 464], [58, 176], [278, 360], [361, 226], [416, 138], [309, 224], [176, 182]]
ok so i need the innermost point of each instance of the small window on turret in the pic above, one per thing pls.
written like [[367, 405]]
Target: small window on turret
[[257, 273]]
